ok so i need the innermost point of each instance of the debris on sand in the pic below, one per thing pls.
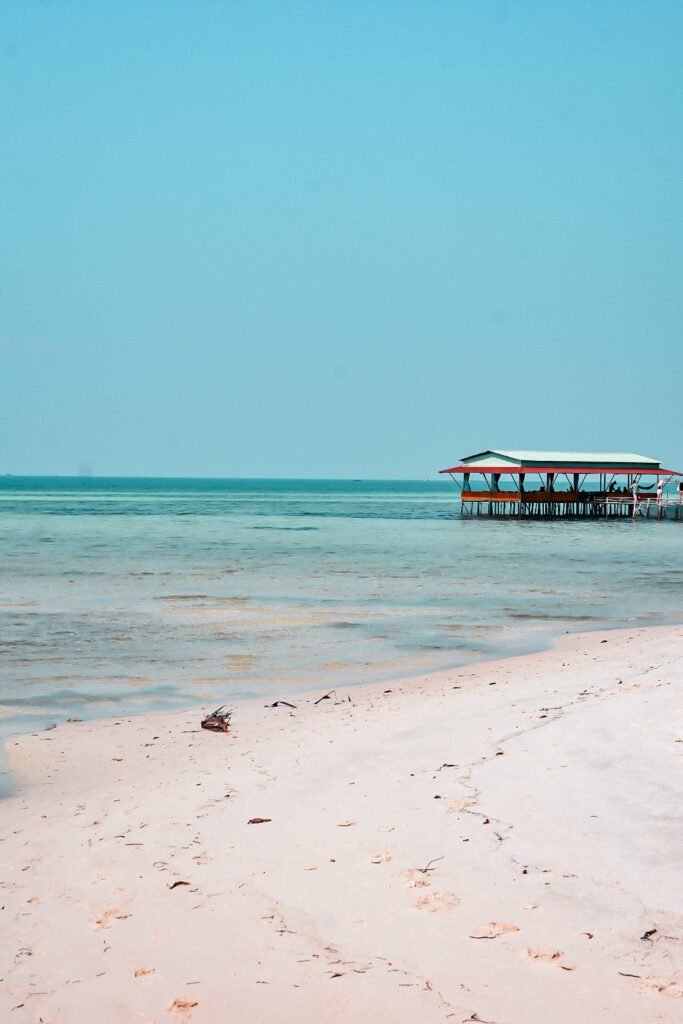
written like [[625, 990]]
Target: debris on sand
[[218, 720]]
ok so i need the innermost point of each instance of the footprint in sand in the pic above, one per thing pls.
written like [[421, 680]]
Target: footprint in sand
[[183, 1005], [416, 879], [493, 929], [552, 956], [434, 901], [455, 806], [672, 988], [106, 919]]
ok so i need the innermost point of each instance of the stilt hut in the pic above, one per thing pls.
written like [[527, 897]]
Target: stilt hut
[[565, 484]]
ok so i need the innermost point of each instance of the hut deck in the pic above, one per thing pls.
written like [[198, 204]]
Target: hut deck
[[554, 485]]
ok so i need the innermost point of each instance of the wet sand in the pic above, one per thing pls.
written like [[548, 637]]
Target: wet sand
[[498, 844]]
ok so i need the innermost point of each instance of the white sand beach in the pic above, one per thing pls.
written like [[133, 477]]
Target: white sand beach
[[495, 844]]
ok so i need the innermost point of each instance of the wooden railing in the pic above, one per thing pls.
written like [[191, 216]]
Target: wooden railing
[[550, 497], [490, 496]]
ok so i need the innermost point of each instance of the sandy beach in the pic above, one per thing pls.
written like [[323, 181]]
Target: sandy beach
[[496, 844]]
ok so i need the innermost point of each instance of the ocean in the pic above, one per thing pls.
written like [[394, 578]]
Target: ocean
[[119, 596]]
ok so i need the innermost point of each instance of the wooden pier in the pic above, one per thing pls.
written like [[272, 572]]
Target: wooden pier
[[566, 485], [566, 505]]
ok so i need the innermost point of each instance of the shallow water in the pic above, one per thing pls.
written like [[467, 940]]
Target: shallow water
[[125, 595]]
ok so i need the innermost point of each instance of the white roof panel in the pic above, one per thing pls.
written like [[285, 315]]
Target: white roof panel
[[550, 458], [578, 457]]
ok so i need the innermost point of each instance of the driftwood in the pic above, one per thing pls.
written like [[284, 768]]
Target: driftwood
[[218, 720], [281, 703]]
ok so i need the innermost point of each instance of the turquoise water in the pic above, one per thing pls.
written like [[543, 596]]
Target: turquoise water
[[125, 595]]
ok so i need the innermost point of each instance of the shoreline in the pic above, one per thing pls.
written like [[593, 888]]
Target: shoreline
[[542, 638], [539, 786]]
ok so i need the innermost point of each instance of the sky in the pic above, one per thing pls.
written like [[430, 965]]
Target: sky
[[349, 238]]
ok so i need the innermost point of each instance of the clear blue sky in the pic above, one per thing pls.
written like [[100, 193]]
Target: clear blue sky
[[343, 238]]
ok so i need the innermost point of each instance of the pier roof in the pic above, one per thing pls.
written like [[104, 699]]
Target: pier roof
[[507, 461]]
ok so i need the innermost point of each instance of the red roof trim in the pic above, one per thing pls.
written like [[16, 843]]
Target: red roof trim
[[659, 471]]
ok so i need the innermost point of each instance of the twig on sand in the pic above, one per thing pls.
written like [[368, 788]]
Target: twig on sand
[[281, 703], [427, 868], [330, 695], [218, 720]]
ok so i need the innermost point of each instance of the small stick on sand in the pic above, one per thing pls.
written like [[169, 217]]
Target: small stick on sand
[[428, 866]]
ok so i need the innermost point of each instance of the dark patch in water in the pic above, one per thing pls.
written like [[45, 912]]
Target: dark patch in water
[[71, 696], [546, 617], [286, 529]]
